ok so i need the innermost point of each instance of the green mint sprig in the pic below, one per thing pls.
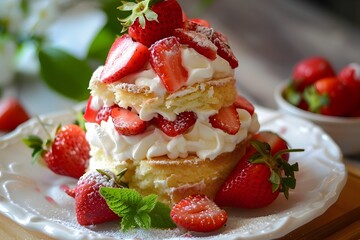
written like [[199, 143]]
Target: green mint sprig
[[137, 211]]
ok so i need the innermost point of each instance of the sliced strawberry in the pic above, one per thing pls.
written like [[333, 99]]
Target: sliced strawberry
[[194, 26], [90, 113], [165, 59], [197, 41], [227, 119], [125, 57], [220, 41], [104, 113], [12, 114], [224, 50], [198, 213], [182, 123], [127, 122], [243, 103], [200, 21]]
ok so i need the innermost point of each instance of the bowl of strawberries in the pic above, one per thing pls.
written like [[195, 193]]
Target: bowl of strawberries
[[330, 99]]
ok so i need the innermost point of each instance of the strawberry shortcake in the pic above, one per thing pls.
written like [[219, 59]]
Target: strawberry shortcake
[[165, 106]]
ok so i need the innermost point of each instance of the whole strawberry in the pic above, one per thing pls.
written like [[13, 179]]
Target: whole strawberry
[[329, 96], [12, 114], [261, 174], [91, 207], [66, 154], [152, 20], [350, 76], [309, 70]]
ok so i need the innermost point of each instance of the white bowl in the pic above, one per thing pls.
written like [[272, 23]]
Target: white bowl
[[344, 131]]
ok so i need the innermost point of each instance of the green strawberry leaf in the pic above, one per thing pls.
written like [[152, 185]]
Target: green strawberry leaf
[[136, 211], [64, 73]]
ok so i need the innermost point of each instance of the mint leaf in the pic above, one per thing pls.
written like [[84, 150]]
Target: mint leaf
[[143, 220], [160, 216], [137, 211], [148, 203], [64, 73], [122, 201]]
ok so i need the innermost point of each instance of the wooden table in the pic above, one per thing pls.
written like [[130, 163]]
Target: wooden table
[[340, 221]]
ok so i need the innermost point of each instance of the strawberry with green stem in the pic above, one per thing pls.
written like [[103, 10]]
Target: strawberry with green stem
[[151, 20], [65, 154], [329, 96], [260, 175]]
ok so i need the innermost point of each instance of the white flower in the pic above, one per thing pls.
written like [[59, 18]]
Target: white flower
[[11, 13], [7, 58]]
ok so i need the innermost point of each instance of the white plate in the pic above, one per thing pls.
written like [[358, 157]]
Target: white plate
[[32, 195]]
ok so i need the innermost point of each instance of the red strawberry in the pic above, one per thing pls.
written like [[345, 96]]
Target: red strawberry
[[180, 125], [91, 207], [220, 41], [12, 114], [150, 23], [165, 59], [197, 41], [127, 122], [227, 119], [198, 213], [224, 50], [350, 75], [243, 103], [67, 154], [90, 113], [275, 141], [104, 113], [329, 96], [125, 57], [200, 21], [309, 70], [260, 175]]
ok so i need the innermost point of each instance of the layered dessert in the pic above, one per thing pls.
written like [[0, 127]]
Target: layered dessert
[[167, 109]]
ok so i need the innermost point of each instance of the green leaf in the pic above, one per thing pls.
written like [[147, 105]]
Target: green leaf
[[64, 73], [100, 45], [275, 180], [137, 211], [143, 220], [128, 222], [160, 216], [148, 203], [122, 201]]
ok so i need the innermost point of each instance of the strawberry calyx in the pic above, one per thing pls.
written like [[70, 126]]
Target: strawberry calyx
[[139, 10], [315, 100], [282, 173], [39, 146], [117, 178]]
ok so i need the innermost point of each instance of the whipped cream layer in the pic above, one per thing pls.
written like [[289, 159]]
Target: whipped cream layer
[[200, 71], [202, 140]]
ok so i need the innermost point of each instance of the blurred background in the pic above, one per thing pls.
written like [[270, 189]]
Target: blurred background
[[49, 48]]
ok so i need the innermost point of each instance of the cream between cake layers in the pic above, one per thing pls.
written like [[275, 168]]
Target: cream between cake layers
[[197, 160]]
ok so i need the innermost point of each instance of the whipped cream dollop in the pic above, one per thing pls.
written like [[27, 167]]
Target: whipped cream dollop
[[202, 140]]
